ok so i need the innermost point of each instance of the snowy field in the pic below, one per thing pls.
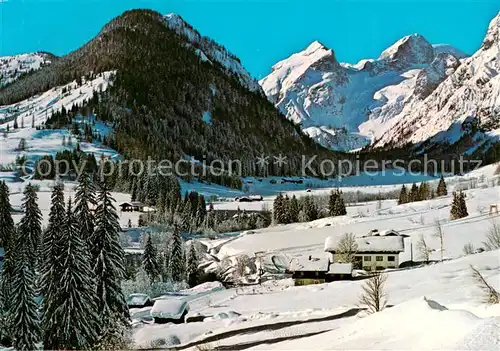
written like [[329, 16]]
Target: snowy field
[[276, 310], [438, 306]]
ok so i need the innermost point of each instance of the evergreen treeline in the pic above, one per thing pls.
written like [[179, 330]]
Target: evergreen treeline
[[421, 193], [305, 209], [74, 267]]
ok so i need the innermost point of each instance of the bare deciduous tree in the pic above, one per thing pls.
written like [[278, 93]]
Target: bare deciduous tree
[[423, 249], [373, 295], [493, 237], [347, 248], [491, 296], [439, 233]]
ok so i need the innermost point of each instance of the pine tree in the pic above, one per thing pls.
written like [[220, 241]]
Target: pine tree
[[332, 203], [23, 313], [109, 270], [294, 209], [150, 260], [309, 209], [192, 266], [70, 320], [85, 200], [177, 258], [30, 226], [462, 205], [423, 191], [278, 209], [458, 206], [340, 209], [51, 252], [403, 196], [7, 232], [286, 210], [6, 222], [414, 193], [441, 188]]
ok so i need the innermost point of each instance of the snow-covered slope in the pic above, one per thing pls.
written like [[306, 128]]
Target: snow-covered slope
[[33, 113], [210, 51], [312, 88], [471, 93], [12, 67]]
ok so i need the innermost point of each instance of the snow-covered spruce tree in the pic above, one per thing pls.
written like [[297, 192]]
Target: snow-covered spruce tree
[[192, 266], [107, 262], [50, 251], [458, 206], [23, 313], [441, 188], [403, 196], [340, 209], [462, 205], [6, 222], [286, 210], [7, 231], [150, 260], [70, 320], [332, 203], [85, 198], [414, 193], [30, 226], [424, 191], [278, 209], [294, 209], [177, 258], [310, 209]]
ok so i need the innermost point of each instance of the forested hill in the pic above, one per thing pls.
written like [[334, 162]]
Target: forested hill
[[168, 100]]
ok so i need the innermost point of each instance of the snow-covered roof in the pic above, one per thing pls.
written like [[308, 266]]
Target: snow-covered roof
[[309, 264], [169, 308], [340, 268], [386, 232], [370, 244], [137, 299]]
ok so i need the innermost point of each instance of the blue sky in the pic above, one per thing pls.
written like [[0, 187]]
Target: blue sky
[[259, 32]]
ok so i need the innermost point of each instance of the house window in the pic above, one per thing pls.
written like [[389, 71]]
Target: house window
[[367, 268], [367, 258], [379, 258], [391, 258]]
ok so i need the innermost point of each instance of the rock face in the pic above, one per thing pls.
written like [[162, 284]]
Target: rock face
[[469, 92], [210, 51], [312, 88]]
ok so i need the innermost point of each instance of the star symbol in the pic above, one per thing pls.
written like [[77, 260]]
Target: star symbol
[[262, 161], [280, 160]]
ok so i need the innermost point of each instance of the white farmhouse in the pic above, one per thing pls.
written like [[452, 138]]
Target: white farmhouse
[[373, 253]]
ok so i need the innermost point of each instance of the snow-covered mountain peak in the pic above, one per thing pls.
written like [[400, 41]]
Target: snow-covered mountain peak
[[315, 65], [493, 34], [411, 49], [313, 47], [210, 51]]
